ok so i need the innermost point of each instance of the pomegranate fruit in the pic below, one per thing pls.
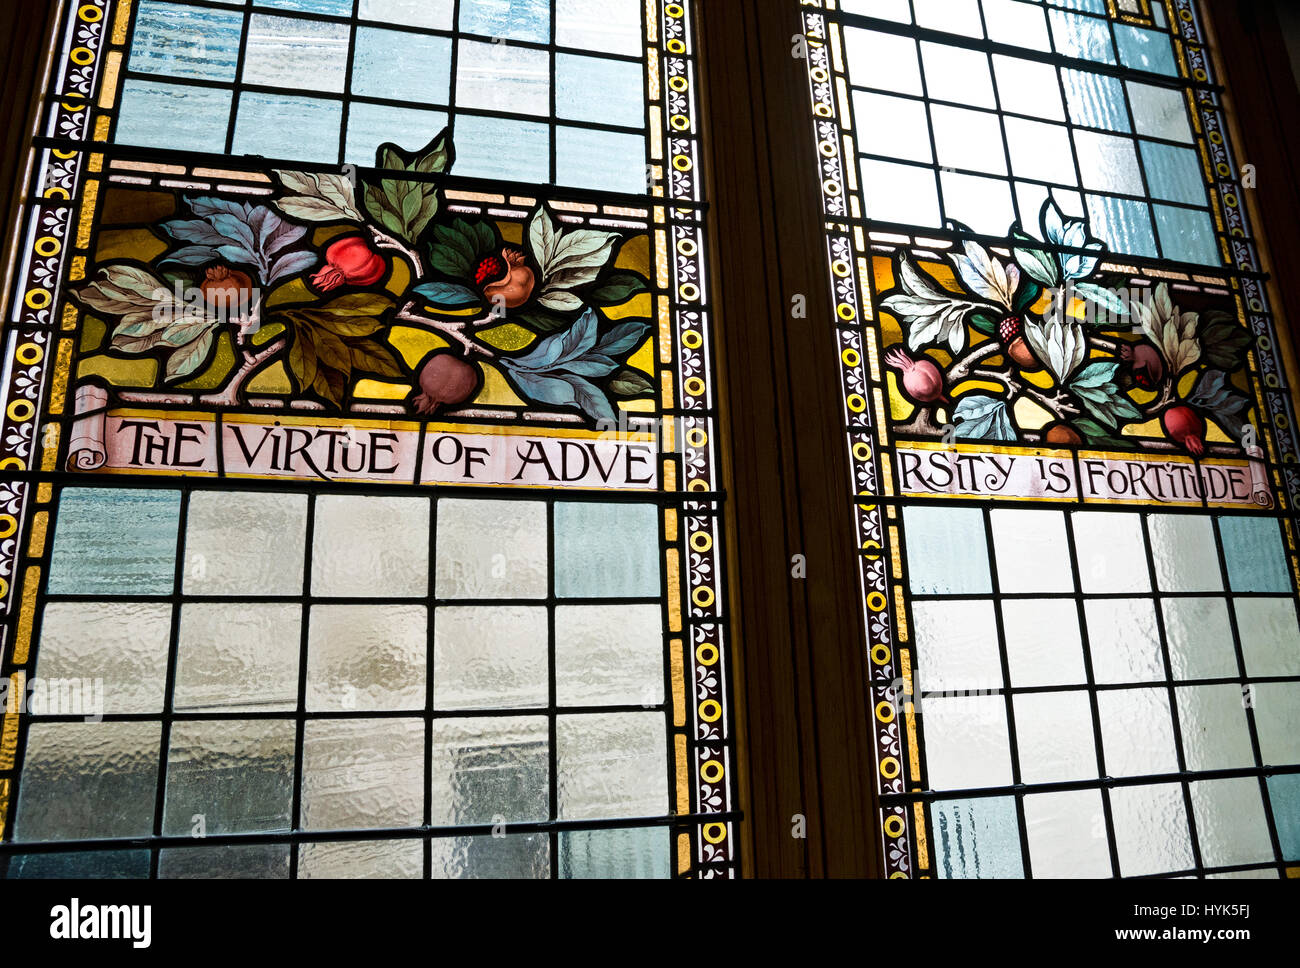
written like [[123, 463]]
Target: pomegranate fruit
[[1062, 434], [1011, 332], [1185, 426], [349, 260], [225, 287], [921, 380], [445, 380], [1145, 363], [506, 276]]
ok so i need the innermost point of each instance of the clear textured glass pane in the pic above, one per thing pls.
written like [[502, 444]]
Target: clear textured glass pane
[[1213, 723], [388, 859], [186, 41], [1284, 797], [1066, 833], [1123, 640], [240, 543], [946, 551], [1095, 100], [294, 52], [1137, 732], [288, 126], [1151, 829], [366, 657], [149, 111], [600, 89], [951, 16], [602, 25], [1270, 636], [371, 546], [238, 658], [636, 852], [1160, 112], [609, 655], [1110, 551], [1016, 23], [982, 204], [899, 10], [1042, 641], [610, 161], [977, 838], [88, 780], [229, 777], [1124, 223], [1173, 173], [1028, 87], [882, 60], [606, 550], [502, 77], [893, 126], [1277, 721], [966, 742], [491, 549], [436, 14], [1107, 162], [332, 8], [512, 19], [1032, 552], [611, 765], [899, 193], [401, 66], [1199, 637], [957, 74], [1252, 548], [956, 645], [1080, 36], [1187, 235], [503, 149], [968, 139], [1040, 151], [121, 644], [80, 864], [362, 773], [115, 542], [490, 768], [1184, 552], [1054, 736], [489, 657], [1230, 824], [371, 125], [1145, 50], [520, 856], [244, 862]]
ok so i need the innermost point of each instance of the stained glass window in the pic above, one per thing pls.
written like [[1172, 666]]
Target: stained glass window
[[359, 479], [1071, 438]]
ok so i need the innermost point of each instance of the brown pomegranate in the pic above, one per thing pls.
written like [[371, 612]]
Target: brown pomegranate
[[1011, 332], [1062, 434], [506, 277], [1187, 427], [224, 287], [445, 380], [1145, 363]]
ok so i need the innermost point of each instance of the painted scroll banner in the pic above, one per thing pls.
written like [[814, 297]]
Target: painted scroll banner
[[1034, 474]]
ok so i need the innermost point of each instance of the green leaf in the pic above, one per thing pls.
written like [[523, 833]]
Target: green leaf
[[630, 383], [618, 289], [984, 322], [302, 357], [1224, 341], [1095, 387], [540, 321], [371, 356], [318, 197], [186, 359], [981, 417], [1215, 394], [1103, 297]]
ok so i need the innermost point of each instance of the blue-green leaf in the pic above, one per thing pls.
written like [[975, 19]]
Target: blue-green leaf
[[981, 417]]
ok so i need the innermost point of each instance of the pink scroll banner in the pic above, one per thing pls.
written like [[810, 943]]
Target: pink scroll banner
[[86, 450]]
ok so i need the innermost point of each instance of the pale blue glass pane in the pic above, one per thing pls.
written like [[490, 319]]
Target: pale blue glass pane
[[512, 19], [1173, 173], [605, 160], [371, 125], [1187, 235], [505, 149], [608, 854], [296, 53], [401, 66], [288, 126], [1108, 162], [186, 41], [87, 864], [1089, 6], [115, 542], [977, 838], [436, 14], [332, 8], [601, 90], [1080, 36], [1123, 223], [609, 26], [946, 550], [606, 550], [173, 116], [501, 77], [1146, 50], [1284, 795], [1160, 112], [1094, 100], [1252, 548]]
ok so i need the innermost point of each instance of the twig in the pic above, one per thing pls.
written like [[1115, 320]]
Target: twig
[[451, 328], [386, 241], [1058, 403], [229, 397], [962, 368]]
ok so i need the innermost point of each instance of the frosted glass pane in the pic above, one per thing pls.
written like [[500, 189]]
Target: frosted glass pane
[[1151, 829], [88, 780], [609, 655], [366, 657], [238, 658], [1185, 553], [1123, 639], [956, 646], [520, 856], [371, 546], [371, 125], [899, 193], [599, 89], [1187, 235], [1032, 552], [611, 765], [950, 16], [1028, 87], [892, 126], [287, 126], [436, 14], [1173, 173], [1016, 23], [1145, 50], [603, 25], [242, 862], [229, 777], [899, 10], [1078, 36], [1067, 834], [1137, 732], [503, 149], [968, 139], [1270, 636], [1122, 222], [637, 852], [977, 838], [946, 551], [84, 865], [606, 550], [982, 204], [487, 769], [1199, 637], [1107, 162], [513, 19], [240, 543], [966, 742], [501, 77], [1110, 551], [333, 8], [1277, 721], [1054, 737], [489, 657], [956, 74], [401, 66], [366, 858], [123, 644], [1160, 112], [362, 773], [296, 53], [491, 549], [1230, 824], [1213, 721], [1040, 151], [882, 60], [115, 542], [1042, 641], [151, 116], [186, 41], [610, 161], [1095, 100], [1252, 548]]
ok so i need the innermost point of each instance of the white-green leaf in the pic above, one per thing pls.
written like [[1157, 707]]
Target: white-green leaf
[[929, 313], [986, 276], [981, 417], [1059, 342], [1172, 331], [186, 359], [321, 196], [1095, 387]]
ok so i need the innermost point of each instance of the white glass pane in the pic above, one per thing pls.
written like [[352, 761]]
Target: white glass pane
[[966, 742], [489, 657], [1054, 737], [1043, 642], [1137, 731], [1032, 551], [956, 646]]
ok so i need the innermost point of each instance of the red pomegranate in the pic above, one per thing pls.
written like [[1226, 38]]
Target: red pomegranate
[[351, 260], [223, 287], [1145, 363], [1187, 427], [922, 380], [506, 276], [445, 379]]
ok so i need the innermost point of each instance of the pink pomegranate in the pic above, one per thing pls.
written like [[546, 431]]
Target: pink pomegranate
[[1187, 427], [445, 380], [921, 380], [350, 260]]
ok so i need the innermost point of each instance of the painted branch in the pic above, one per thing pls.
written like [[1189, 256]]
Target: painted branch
[[386, 241], [451, 328], [229, 397], [962, 368], [1058, 404]]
